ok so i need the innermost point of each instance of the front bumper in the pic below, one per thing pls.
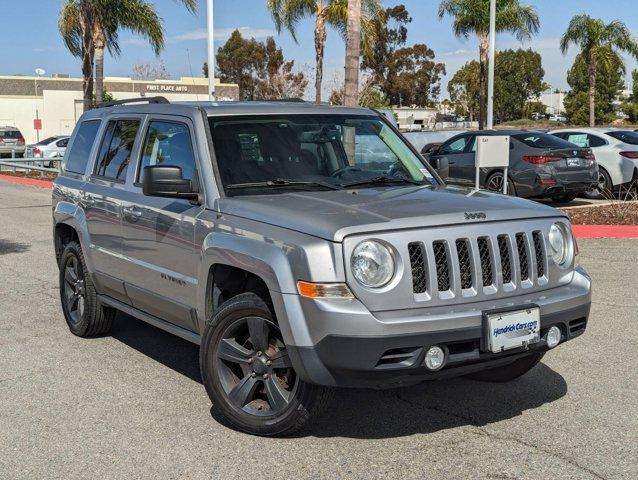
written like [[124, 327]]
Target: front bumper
[[343, 345]]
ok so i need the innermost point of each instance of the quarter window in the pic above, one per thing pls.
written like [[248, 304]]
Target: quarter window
[[168, 144], [115, 152], [78, 156]]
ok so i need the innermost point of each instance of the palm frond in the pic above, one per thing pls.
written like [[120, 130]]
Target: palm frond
[[69, 27]]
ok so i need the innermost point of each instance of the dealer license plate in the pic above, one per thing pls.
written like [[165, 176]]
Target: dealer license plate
[[573, 162], [515, 329]]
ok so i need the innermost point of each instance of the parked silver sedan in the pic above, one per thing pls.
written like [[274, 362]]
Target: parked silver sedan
[[49, 148]]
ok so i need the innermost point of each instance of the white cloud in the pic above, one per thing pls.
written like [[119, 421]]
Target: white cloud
[[222, 34]]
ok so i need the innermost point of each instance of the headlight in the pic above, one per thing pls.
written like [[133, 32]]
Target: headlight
[[560, 244], [372, 264]]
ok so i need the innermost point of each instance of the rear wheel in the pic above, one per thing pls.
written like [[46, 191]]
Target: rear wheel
[[495, 183], [509, 372], [603, 189], [84, 314], [248, 374]]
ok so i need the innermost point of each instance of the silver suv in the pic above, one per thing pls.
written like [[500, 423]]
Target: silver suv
[[304, 247]]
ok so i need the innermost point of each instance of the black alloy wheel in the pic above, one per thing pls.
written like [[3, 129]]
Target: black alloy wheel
[[74, 289], [253, 367], [494, 183], [603, 188]]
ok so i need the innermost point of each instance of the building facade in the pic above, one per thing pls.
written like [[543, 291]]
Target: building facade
[[57, 100]]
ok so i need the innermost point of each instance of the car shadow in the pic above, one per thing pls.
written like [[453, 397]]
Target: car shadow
[[373, 414], [8, 246]]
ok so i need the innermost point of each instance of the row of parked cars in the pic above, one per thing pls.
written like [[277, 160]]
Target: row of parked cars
[[561, 164], [12, 143]]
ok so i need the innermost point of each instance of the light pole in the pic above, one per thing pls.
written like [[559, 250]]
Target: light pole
[[39, 72], [211, 50], [490, 71]]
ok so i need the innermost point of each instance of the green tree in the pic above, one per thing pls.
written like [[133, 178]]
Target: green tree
[[599, 44], [259, 68], [473, 17], [465, 89], [370, 96], [520, 77], [578, 101], [288, 13], [630, 105], [405, 75], [89, 27]]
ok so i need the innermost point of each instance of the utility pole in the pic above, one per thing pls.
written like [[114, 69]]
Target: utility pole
[[353, 54], [211, 50], [490, 72]]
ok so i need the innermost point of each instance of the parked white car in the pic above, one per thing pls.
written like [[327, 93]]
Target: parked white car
[[51, 148], [616, 151], [557, 118]]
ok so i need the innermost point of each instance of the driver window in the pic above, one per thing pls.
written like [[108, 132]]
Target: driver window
[[168, 144]]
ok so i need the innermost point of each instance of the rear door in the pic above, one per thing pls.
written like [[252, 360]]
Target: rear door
[[159, 233], [102, 199]]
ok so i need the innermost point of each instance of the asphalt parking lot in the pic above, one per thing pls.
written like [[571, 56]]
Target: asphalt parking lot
[[131, 405]]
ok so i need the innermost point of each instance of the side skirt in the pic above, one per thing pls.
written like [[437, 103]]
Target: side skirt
[[156, 322]]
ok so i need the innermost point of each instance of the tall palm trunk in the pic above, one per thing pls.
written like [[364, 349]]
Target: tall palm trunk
[[483, 61], [100, 45], [88, 53], [592, 90], [353, 54], [320, 44]]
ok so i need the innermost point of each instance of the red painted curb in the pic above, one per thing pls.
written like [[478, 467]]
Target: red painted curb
[[605, 231], [32, 182]]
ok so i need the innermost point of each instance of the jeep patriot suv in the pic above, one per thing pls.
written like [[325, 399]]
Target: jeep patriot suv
[[304, 247]]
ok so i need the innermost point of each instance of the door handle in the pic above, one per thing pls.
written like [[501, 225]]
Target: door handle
[[132, 213]]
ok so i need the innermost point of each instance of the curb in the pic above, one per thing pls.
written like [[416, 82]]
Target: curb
[[580, 231], [32, 182], [605, 231]]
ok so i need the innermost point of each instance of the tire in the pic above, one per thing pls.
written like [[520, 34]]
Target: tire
[[494, 183], [507, 373], [82, 310], [565, 198], [605, 187], [251, 394]]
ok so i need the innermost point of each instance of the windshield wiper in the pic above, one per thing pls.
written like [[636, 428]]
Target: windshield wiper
[[381, 181], [282, 182]]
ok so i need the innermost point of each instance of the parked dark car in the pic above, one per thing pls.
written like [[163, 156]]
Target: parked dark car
[[541, 165]]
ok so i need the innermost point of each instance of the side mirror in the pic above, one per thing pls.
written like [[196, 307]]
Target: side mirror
[[167, 181]]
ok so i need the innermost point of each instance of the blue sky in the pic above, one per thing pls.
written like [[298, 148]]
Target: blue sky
[[31, 40]]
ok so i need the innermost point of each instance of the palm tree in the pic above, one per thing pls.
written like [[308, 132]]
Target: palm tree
[[473, 17], [353, 54], [89, 27], [598, 42], [287, 13]]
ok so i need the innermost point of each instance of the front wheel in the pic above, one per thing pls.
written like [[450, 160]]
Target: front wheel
[[507, 373], [248, 374]]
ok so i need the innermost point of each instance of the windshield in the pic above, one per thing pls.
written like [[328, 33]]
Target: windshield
[[257, 155], [625, 136], [542, 140]]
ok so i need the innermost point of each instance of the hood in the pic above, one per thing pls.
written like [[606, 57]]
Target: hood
[[333, 215]]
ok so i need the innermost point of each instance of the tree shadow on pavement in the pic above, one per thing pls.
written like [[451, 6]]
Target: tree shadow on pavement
[[373, 414]]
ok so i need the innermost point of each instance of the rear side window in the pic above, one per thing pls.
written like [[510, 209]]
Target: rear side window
[[78, 156], [625, 136], [62, 143], [541, 140], [168, 144], [115, 152]]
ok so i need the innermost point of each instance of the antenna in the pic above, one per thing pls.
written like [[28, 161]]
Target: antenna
[[190, 69]]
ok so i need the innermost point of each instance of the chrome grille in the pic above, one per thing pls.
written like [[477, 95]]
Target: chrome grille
[[419, 268], [465, 263], [442, 265], [521, 246], [504, 252], [483, 265], [486, 260], [538, 252]]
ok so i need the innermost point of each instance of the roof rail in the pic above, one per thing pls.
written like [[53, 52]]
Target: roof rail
[[150, 100]]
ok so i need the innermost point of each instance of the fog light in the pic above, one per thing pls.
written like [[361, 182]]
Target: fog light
[[434, 358], [553, 336]]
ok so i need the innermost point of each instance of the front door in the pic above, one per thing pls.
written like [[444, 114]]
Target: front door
[[456, 152], [159, 233]]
